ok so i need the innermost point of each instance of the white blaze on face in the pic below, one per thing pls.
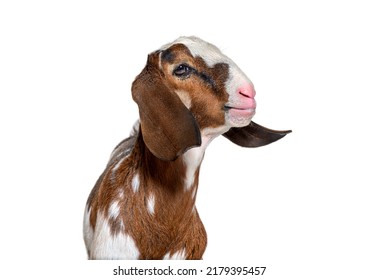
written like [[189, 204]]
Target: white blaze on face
[[197, 47]]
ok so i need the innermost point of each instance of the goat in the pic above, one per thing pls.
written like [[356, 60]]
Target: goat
[[143, 204]]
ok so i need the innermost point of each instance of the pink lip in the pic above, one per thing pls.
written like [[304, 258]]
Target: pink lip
[[242, 112]]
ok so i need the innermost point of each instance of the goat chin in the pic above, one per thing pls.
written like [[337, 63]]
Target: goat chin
[[143, 204]]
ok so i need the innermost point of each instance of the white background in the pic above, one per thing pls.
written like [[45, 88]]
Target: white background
[[306, 207]]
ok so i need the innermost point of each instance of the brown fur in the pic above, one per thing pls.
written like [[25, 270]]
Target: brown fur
[[175, 225]]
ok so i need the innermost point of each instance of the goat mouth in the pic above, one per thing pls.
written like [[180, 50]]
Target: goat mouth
[[227, 108], [240, 112]]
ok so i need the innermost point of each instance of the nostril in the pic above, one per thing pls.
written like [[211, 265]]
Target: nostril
[[245, 95], [247, 91]]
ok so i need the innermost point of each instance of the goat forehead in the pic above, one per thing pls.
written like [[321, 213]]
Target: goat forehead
[[198, 47]]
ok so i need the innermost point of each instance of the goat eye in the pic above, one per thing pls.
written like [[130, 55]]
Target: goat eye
[[182, 71]]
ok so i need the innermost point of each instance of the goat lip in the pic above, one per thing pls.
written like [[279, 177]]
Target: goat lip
[[236, 112], [227, 108]]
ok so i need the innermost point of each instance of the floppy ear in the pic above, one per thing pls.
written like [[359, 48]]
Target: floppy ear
[[254, 135], [168, 127]]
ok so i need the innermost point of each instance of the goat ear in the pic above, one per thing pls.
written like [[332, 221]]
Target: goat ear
[[254, 135], [168, 127]]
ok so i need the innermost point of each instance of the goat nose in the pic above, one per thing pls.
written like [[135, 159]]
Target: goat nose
[[247, 90]]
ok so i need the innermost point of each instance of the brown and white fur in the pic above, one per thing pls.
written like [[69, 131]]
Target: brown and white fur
[[143, 205]]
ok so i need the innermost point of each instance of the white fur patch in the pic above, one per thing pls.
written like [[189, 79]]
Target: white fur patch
[[135, 182], [208, 52], [114, 210], [151, 204], [179, 255], [193, 157], [107, 246], [88, 230]]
